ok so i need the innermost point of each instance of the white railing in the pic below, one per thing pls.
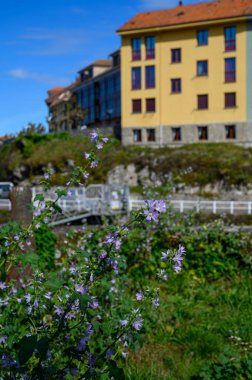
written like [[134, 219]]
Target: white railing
[[231, 207], [5, 204]]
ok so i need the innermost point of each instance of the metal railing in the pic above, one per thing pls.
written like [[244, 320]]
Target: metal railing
[[5, 204], [215, 207]]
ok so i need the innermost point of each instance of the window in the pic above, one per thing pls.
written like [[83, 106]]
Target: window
[[202, 68], [150, 105], [203, 133], [175, 86], [230, 70], [230, 131], [230, 99], [136, 49], [230, 38], [137, 135], [136, 106], [202, 102], [176, 134], [150, 77], [150, 47], [202, 37], [136, 78], [175, 55], [151, 135]]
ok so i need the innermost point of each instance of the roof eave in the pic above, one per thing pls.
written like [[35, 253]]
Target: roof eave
[[182, 25]]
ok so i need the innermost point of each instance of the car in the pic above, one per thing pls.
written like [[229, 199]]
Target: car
[[5, 189]]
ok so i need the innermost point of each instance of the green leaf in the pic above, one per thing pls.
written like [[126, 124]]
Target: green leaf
[[26, 346], [42, 346], [116, 371], [39, 197], [61, 192]]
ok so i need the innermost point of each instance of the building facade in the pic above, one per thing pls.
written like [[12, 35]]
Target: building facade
[[186, 75], [99, 93], [64, 114]]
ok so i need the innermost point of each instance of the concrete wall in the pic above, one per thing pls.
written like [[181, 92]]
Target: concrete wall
[[189, 134]]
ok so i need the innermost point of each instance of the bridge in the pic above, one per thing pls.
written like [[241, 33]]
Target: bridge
[[97, 200]]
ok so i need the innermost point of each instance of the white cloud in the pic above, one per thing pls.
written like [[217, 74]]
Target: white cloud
[[47, 42], [20, 73]]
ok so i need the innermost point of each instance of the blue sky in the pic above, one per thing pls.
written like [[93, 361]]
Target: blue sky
[[45, 42]]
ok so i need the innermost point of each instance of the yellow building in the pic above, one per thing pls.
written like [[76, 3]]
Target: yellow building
[[186, 74]]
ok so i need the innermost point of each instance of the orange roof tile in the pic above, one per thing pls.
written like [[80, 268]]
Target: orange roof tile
[[183, 14]]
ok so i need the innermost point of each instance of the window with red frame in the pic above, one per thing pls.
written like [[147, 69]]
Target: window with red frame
[[136, 106], [202, 102], [150, 47], [175, 86], [175, 55], [136, 49], [136, 78], [230, 70], [150, 77], [151, 105], [230, 38], [230, 99]]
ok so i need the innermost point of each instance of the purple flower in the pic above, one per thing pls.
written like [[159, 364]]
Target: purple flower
[[105, 140], [3, 338], [155, 302], [82, 343], [103, 255], [139, 296], [165, 255], [178, 258], [93, 164], [35, 304], [99, 145], [69, 193], [109, 354], [123, 322], [160, 206], [93, 135], [94, 304], [80, 288], [48, 295], [154, 208], [113, 238], [46, 176], [138, 323], [16, 237], [27, 297], [86, 175], [3, 285], [86, 155], [58, 310]]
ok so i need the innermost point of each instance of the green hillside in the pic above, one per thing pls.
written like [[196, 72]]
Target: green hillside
[[197, 164]]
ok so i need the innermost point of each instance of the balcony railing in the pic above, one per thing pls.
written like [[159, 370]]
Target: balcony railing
[[150, 53], [230, 76], [136, 55], [230, 45]]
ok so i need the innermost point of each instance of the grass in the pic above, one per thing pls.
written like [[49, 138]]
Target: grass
[[193, 326]]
